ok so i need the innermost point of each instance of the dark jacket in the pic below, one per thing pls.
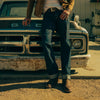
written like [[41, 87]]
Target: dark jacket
[[66, 4]]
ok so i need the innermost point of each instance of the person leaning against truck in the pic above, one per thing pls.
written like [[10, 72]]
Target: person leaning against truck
[[55, 17]]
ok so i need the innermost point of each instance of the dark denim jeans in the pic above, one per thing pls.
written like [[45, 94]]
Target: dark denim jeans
[[51, 22]]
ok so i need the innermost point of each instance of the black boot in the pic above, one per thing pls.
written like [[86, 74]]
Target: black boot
[[66, 84], [52, 83]]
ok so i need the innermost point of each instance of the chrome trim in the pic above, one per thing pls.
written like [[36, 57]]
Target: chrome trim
[[84, 43], [11, 43], [34, 44], [35, 31], [81, 56], [18, 18], [78, 32], [26, 43]]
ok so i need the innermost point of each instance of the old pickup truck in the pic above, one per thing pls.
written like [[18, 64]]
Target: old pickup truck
[[20, 47]]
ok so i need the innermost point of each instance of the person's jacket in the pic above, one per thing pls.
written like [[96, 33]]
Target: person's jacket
[[66, 4]]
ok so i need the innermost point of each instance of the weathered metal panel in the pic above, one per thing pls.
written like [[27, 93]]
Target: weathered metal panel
[[35, 64]]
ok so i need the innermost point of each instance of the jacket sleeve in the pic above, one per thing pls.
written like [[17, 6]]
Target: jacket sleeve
[[71, 4], [68, 5], [30, 8]]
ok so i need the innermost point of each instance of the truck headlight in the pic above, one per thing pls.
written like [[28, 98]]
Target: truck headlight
[[77, 44]]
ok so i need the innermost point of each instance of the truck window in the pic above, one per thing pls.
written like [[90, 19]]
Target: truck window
[[15, 9]]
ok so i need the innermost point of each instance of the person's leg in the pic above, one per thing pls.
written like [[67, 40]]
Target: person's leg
[[63, 31], [46, 33]]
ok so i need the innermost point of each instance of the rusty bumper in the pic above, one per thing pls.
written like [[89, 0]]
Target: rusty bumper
[[37, 63]]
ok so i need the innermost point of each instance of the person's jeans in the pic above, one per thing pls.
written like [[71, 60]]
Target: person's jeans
[[51, 22]]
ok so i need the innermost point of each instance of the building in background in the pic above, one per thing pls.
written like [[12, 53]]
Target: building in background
[[86, 10]]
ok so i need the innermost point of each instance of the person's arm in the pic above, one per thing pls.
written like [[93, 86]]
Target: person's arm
[[67, 6], [27, 20], [30, 8]]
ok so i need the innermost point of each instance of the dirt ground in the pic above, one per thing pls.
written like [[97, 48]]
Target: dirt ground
[[94, 51], [30, 89]]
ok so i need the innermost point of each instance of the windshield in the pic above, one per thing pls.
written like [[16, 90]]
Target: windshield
[[15, 9]]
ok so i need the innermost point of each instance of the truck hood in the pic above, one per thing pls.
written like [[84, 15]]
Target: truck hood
[[16, 24], [36, 24]]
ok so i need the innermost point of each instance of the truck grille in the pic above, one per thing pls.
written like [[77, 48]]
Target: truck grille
[[11, 44], [29, 44], [35, 45], [11, 38], [10, 49]]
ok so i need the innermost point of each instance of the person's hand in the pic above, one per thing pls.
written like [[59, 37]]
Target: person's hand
[[64, 14], [26, 21]]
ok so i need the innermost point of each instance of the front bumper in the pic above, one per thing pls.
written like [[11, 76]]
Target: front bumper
[[27, 63], [80, 61]]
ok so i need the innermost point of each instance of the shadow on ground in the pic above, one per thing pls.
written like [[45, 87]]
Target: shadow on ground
[[13, 84], [7, 83]]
